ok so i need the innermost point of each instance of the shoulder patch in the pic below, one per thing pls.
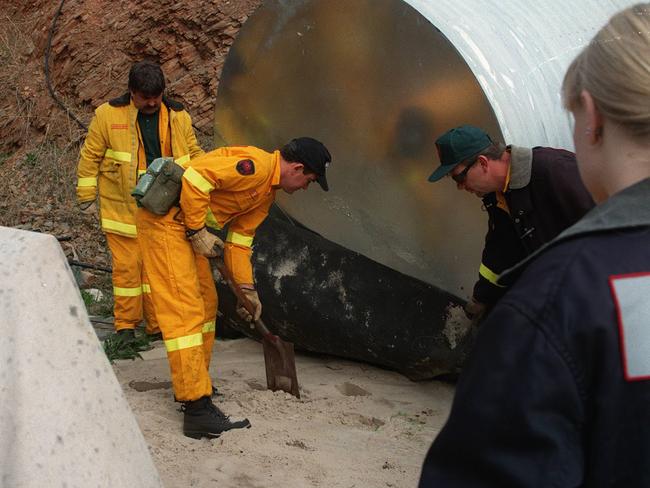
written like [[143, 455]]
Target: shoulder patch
[[630, 293], [245, 167]]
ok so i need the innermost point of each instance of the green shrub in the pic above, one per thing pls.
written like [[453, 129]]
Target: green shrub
[[118, 347]]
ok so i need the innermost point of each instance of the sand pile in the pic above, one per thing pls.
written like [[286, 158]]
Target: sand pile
[[355, 425]]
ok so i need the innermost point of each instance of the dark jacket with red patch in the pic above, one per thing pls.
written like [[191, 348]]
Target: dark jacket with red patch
[[557, 390]]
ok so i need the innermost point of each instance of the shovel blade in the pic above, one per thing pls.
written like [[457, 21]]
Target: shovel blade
[[280, 362]]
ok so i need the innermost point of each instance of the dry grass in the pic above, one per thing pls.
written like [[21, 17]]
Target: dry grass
[[37, 183], [37, 164], [39, 150], [16, 47]]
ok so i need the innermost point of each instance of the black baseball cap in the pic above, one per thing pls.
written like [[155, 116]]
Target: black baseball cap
[[310, 152]]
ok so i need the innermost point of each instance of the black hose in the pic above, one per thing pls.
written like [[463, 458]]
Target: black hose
[[79, 264], [47, 70]]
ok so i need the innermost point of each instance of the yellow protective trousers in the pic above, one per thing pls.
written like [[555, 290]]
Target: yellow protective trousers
[[184, 300], [131, 290]]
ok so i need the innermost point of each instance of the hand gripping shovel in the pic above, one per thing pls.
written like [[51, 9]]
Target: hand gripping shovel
[[279, 357]]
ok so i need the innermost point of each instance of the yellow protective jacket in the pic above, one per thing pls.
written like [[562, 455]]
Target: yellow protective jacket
[[237, 185], [113, 157]]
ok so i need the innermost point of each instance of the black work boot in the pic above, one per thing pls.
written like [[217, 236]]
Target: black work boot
[[157, 336], [215, 393], [203, 419], [127, 335]]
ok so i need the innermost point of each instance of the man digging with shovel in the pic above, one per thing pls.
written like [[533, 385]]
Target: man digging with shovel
[[232, 186]]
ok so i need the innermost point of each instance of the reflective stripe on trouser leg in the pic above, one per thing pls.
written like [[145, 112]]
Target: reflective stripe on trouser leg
[[151, 326], [177, 300], [127, 285], [210, 304]]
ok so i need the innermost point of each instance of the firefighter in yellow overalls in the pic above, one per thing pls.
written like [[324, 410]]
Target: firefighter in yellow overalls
[[234, 187], [125, 135]]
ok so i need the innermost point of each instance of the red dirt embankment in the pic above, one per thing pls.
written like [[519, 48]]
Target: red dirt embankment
[[95, 43], [92, 49]]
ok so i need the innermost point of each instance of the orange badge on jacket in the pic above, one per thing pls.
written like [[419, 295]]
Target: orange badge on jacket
[[245, 167]]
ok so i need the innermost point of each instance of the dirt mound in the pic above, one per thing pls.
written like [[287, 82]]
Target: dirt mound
[[92, 49]]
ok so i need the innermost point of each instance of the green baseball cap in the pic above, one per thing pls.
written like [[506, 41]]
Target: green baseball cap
[[458, 145]]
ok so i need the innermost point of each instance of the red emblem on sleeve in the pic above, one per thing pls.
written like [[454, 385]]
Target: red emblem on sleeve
[[245, 167]]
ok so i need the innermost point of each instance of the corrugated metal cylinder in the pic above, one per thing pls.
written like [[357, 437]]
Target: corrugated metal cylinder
[[377, 81]]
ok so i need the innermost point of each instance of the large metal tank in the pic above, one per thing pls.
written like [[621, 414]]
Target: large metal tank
[[377, 81]]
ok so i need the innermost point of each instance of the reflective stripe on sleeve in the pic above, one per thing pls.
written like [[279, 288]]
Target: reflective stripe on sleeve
[[127, 292], [128, 229], [211, 220], [125, 157], [141, 172], [146, 288], [184, 342], [83, 182], [194, 177], [240, 239], [489, 275], [208, 327], [183, 160]]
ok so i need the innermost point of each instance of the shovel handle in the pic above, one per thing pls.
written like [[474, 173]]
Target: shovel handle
[[227, 275], [284, 379]]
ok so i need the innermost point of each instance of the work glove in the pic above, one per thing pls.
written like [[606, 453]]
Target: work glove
[[88, 208], [475, 310], [205, 243], [254, 300]]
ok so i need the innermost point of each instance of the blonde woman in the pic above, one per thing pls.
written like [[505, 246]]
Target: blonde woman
[[557, 392]]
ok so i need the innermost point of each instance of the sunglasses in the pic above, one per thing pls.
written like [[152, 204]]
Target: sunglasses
[[462, 176]]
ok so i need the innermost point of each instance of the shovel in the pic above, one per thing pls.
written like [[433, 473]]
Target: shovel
[[279, 358]]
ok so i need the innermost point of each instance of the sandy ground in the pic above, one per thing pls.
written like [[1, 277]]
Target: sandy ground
[[355, 425]]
